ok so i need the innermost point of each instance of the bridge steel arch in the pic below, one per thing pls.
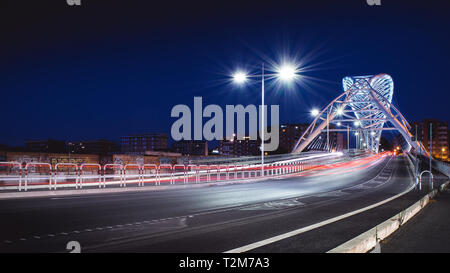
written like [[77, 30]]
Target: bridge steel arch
[[364, 107]]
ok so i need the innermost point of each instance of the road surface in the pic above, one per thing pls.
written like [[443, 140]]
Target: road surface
[[212, 218]]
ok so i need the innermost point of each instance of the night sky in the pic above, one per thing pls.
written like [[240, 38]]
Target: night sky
[[111, 68]]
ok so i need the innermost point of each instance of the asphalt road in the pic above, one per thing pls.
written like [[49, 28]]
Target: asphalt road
[[427, 232], [209, 219]]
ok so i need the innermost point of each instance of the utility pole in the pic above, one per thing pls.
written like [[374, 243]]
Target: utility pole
[[69, 144], [262, 121], [417, 158], [431, 147], [348, 138], [328, 132]]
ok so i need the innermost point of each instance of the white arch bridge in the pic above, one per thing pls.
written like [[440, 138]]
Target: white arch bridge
[[365, 108]]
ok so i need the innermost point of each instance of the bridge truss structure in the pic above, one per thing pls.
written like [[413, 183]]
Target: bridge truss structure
[[364, 108]]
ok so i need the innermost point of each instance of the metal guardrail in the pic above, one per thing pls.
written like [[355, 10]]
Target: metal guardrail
[[437, 165], [38, 175], [442, 167]]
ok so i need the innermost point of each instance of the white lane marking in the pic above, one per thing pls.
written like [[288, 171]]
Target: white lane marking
[[68, 198], [36, 237], [63, 233], [314, 226], [51, 235]]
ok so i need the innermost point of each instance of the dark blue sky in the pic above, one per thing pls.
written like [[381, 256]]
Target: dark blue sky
[[112, 68]]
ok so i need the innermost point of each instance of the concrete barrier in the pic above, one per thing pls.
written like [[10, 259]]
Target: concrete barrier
[[369, 239]]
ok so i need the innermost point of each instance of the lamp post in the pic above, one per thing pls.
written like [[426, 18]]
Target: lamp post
[[372, 134], [348, 137], [262, 120], [328, 132], [286, 73], [431, 148], [70, 144]]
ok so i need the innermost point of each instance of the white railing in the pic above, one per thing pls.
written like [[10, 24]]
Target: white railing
[[39, 175]]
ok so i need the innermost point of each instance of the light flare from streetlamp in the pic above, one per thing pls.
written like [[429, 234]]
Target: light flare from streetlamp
[[314, 112], [287, 72], [239, 77]]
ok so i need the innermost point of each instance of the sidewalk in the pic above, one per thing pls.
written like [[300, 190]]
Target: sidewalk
[[427, 232]]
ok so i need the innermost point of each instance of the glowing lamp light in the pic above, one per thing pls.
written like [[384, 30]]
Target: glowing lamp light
[[239, 77], [372, 133], [340, 111], [287, 72], [357, 123], [314, 112], [338, 124]]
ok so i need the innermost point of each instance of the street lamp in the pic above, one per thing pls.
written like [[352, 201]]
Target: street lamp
[[240, 77], [314, 112], [286, 73]]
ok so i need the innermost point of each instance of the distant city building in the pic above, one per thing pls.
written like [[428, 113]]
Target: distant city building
[[399, 142], [139, 143], [439, 134], [341, 141], [191, 147], [289, 135], [242, 147], [100, 147], [46, 146]]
